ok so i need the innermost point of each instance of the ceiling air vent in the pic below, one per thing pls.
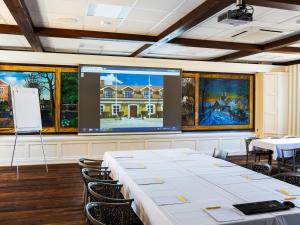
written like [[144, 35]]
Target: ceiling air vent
[[255, 34]]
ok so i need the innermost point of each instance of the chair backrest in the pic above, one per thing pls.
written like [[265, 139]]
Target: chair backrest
[[103, 213], [90, 163], [220, 154], [106, 192], [291, 178], [263, 168], [248, 141], [94, 175]]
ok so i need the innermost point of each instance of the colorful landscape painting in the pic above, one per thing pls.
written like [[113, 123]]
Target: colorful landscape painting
[[188, 101], [69, 100], [131, 101], [224, 100], [44, 81]]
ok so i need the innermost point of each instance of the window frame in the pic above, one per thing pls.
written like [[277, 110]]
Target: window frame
[[112, 109], [149, 93], [152, 106], [128, 94], [103, 108], [106, 95]]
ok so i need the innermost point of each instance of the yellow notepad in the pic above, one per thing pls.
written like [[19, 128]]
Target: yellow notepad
[[213, 207], [182, 198], [248, 177], [283, 191], [158, 179], [288, 198]]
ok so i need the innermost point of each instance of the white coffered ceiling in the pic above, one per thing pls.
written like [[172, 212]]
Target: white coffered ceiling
[[151, 17]]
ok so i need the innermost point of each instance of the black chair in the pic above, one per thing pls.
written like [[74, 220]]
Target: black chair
[[263, 168], [92, 164], [291, 178], [104, 213], [94, 175], [289, 160], [220, 154], [106, 192], [110, 193], [257, 152]]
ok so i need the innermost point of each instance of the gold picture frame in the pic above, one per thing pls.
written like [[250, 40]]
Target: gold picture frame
[[197, 77]]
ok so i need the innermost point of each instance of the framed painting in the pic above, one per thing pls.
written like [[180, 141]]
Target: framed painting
[[225, 102], [213, 101]]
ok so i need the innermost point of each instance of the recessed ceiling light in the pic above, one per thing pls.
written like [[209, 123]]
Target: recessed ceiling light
[[107, 10], [67, 20]]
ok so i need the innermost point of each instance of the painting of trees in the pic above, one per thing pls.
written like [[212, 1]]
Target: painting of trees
[[188, 101], [69, 99], [45, 83]]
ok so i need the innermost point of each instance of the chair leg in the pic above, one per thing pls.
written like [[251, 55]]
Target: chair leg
[[270, 159]]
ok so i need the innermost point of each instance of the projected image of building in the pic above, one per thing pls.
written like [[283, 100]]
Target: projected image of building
[[127, 102], [4, 91]]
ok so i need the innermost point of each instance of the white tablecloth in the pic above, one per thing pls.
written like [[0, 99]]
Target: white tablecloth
[[202, 181], [276, 145]]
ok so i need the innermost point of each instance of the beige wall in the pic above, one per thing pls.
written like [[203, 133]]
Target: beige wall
[[76, 59], [272, 107], [65, 148]]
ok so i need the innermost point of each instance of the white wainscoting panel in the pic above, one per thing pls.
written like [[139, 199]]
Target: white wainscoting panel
[[190, 143], [35, 151], [231, 145], [132, 145], [74, 149], [98, 149], [7, 150], [159, 144], [208, 145], [69, 148]]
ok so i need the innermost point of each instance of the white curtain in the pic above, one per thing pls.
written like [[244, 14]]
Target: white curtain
[[294, 100]]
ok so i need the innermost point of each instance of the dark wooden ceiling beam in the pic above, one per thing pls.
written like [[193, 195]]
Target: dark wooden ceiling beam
[[10, 29], [232, 56], [85, 34], [290, 63], [21, 15], [186, 42], [198, 15], [286, 50], [275, 4], [215, 44], [282, 42]]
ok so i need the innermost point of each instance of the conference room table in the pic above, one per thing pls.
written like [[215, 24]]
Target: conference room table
[[185, 187], [276, 145]]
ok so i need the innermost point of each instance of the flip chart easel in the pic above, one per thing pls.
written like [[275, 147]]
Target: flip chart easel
[[27, 116]]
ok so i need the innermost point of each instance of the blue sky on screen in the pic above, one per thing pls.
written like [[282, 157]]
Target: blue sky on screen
[[17, 79], [129, 79]]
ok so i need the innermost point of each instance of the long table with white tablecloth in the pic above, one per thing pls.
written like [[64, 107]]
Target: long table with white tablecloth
[[276, 145], [184, 187]]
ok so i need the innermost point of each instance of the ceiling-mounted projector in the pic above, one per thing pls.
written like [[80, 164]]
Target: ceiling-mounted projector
[[241, 15]]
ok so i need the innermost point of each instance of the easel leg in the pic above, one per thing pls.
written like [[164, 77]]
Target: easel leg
[[13, 155], [43, 151]]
